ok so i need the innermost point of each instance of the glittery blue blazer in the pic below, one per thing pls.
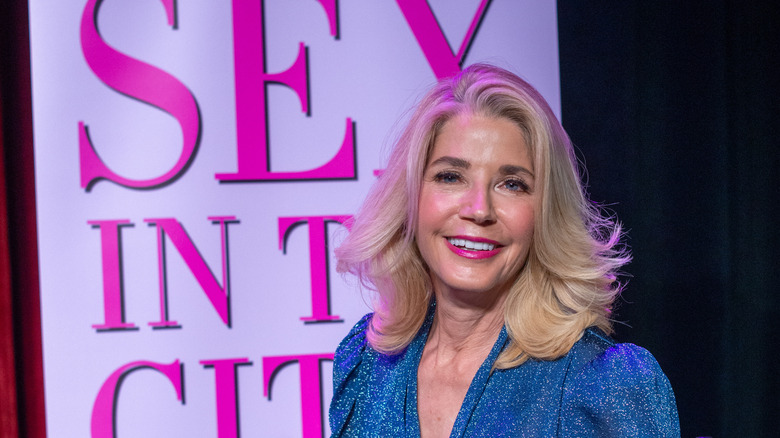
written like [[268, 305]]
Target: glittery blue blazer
[[599, 389]]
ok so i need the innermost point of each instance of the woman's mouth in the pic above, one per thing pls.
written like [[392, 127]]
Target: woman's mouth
[[470, 244], [473, 248]]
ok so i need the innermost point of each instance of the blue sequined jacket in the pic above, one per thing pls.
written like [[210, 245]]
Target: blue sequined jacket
[[599, 389]]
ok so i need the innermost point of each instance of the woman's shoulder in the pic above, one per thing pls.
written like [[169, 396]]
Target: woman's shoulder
[[346, 374], [351, 349], [619, 387], [598, 355]]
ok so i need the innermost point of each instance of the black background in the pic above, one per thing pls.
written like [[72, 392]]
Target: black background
[[673, 108]]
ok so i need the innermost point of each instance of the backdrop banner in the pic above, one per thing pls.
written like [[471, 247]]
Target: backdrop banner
[[195, 163]]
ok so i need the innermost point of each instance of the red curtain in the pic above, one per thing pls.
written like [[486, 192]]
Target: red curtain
[[21, 366], [8, 421]]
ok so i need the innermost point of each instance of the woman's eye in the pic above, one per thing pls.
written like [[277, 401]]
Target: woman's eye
[[515, 185], [447, 177]]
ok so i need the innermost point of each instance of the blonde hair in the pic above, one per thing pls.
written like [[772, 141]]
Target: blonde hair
[[568, 281]]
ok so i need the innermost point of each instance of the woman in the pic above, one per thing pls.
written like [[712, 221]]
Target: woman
[[494, 278]]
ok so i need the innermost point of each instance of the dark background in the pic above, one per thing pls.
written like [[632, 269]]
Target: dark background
[[673, 107]]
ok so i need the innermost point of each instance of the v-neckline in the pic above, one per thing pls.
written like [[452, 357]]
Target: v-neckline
[[473, 394]]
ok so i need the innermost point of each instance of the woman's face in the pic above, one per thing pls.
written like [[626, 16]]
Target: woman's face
[[476, 210]]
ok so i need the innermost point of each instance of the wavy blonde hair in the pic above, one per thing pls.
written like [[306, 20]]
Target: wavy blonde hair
[[568, 282]]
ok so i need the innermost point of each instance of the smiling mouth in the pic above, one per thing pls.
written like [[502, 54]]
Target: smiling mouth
[[471, 245]]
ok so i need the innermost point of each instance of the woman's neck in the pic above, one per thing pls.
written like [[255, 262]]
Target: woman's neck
[[462, 326], [459, 341]]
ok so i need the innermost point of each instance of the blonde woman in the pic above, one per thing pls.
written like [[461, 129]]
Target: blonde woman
[[494, 276]]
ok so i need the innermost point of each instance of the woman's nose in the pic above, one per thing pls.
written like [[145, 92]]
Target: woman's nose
[[477, 205]]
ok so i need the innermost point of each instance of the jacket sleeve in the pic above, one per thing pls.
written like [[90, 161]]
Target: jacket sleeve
[[346, 368], [621, 392]]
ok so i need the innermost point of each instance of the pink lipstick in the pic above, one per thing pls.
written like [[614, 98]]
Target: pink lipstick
[[473, 247]]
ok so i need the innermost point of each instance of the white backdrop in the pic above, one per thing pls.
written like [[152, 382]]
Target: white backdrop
[[168, 103]]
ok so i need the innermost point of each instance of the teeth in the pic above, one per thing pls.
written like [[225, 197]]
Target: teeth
[[474, 246]]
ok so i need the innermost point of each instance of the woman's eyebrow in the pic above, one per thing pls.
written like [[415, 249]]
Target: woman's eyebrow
[[452, 161], [509, 169], [506, 169]]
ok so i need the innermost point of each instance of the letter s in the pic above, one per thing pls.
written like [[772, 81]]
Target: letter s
[[142, 81]]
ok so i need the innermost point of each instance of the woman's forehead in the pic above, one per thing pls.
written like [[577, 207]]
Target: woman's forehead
[[477, 135]]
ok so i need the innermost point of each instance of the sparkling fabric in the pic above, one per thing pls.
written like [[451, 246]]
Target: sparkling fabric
[[599, 389]]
